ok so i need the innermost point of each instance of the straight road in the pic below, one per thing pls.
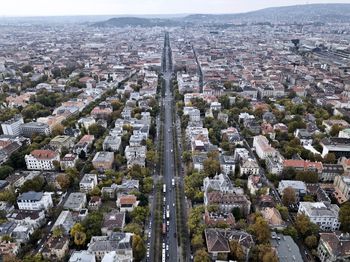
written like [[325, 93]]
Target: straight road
[[169, 205]]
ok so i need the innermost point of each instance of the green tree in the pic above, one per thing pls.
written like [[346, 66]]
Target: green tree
[[311, 241], [261, 230], [78, 234], [304, 226], [5, 171], [211, 166], [133, 228], [57, 232], [97, 130], [138, 247], [197, 241], [330, 158], [236, 251], [139, 214], [201, 256], [307, 177], [344, 217]]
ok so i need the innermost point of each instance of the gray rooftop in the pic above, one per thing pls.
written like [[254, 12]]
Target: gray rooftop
[[286, 248]]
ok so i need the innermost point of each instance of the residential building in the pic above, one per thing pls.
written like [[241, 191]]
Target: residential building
[[42, 160], [88, 183], [286, 249], [217, 241], [56, 248], [330, 171], [135, 155], [334, 246], [62, 142], [304, 136], [227, 164], [325, 216], [213, 219], [34, 201], [339, 146], [342, 188], [121, 243], [84, 144], [112, 143], [75, 202], [31, 218], [12, 127], [273, 217], [65, 221], [127, 203], [103, 160], [298, 186], [29, 129], [254, 184], [249, 167], [82, 256], [262, 147], [227, 201], [68, 161], [303, 165], [113, 220]]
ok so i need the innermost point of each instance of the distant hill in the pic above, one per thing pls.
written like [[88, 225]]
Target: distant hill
[[321, 13], [296, 13], [135, 21]]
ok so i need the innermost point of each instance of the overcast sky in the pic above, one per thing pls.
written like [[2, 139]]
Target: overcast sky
[[122, 7]]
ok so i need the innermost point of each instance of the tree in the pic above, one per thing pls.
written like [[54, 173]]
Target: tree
[[139, 214], [197, 241], [78, 234], [201, 256], [57, 130], [138, 247], [330, 158], [290, 231], [311, 241], [57, 232], [261, 230], [133, 228], [236, 251], [236, 212], [211, 166], [307, 177], [96, 130], [64, 181], [35, 184], [5, 171], [304, 226], [308, 198], [335, 130], [152, 157], [344, 217], [283, 211], [288, 196]]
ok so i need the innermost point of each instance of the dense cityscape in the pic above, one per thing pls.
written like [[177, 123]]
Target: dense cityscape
[[200, 138]]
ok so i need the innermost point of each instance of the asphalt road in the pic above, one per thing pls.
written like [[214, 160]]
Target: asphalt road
[[169, 205]]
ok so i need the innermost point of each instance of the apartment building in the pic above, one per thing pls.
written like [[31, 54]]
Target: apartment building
[[42, 160]]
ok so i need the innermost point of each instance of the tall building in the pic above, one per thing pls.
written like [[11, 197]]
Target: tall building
[[12, 127]]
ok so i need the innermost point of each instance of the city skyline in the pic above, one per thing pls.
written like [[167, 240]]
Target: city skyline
[[140, 7]]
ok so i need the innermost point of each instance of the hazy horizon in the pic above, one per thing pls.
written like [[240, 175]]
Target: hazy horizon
[[39, 8]]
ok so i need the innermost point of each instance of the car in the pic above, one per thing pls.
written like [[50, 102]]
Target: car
[[49, 223], [149, 234], [171, 150], [174, 234], [163, 245], [167, 248]]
